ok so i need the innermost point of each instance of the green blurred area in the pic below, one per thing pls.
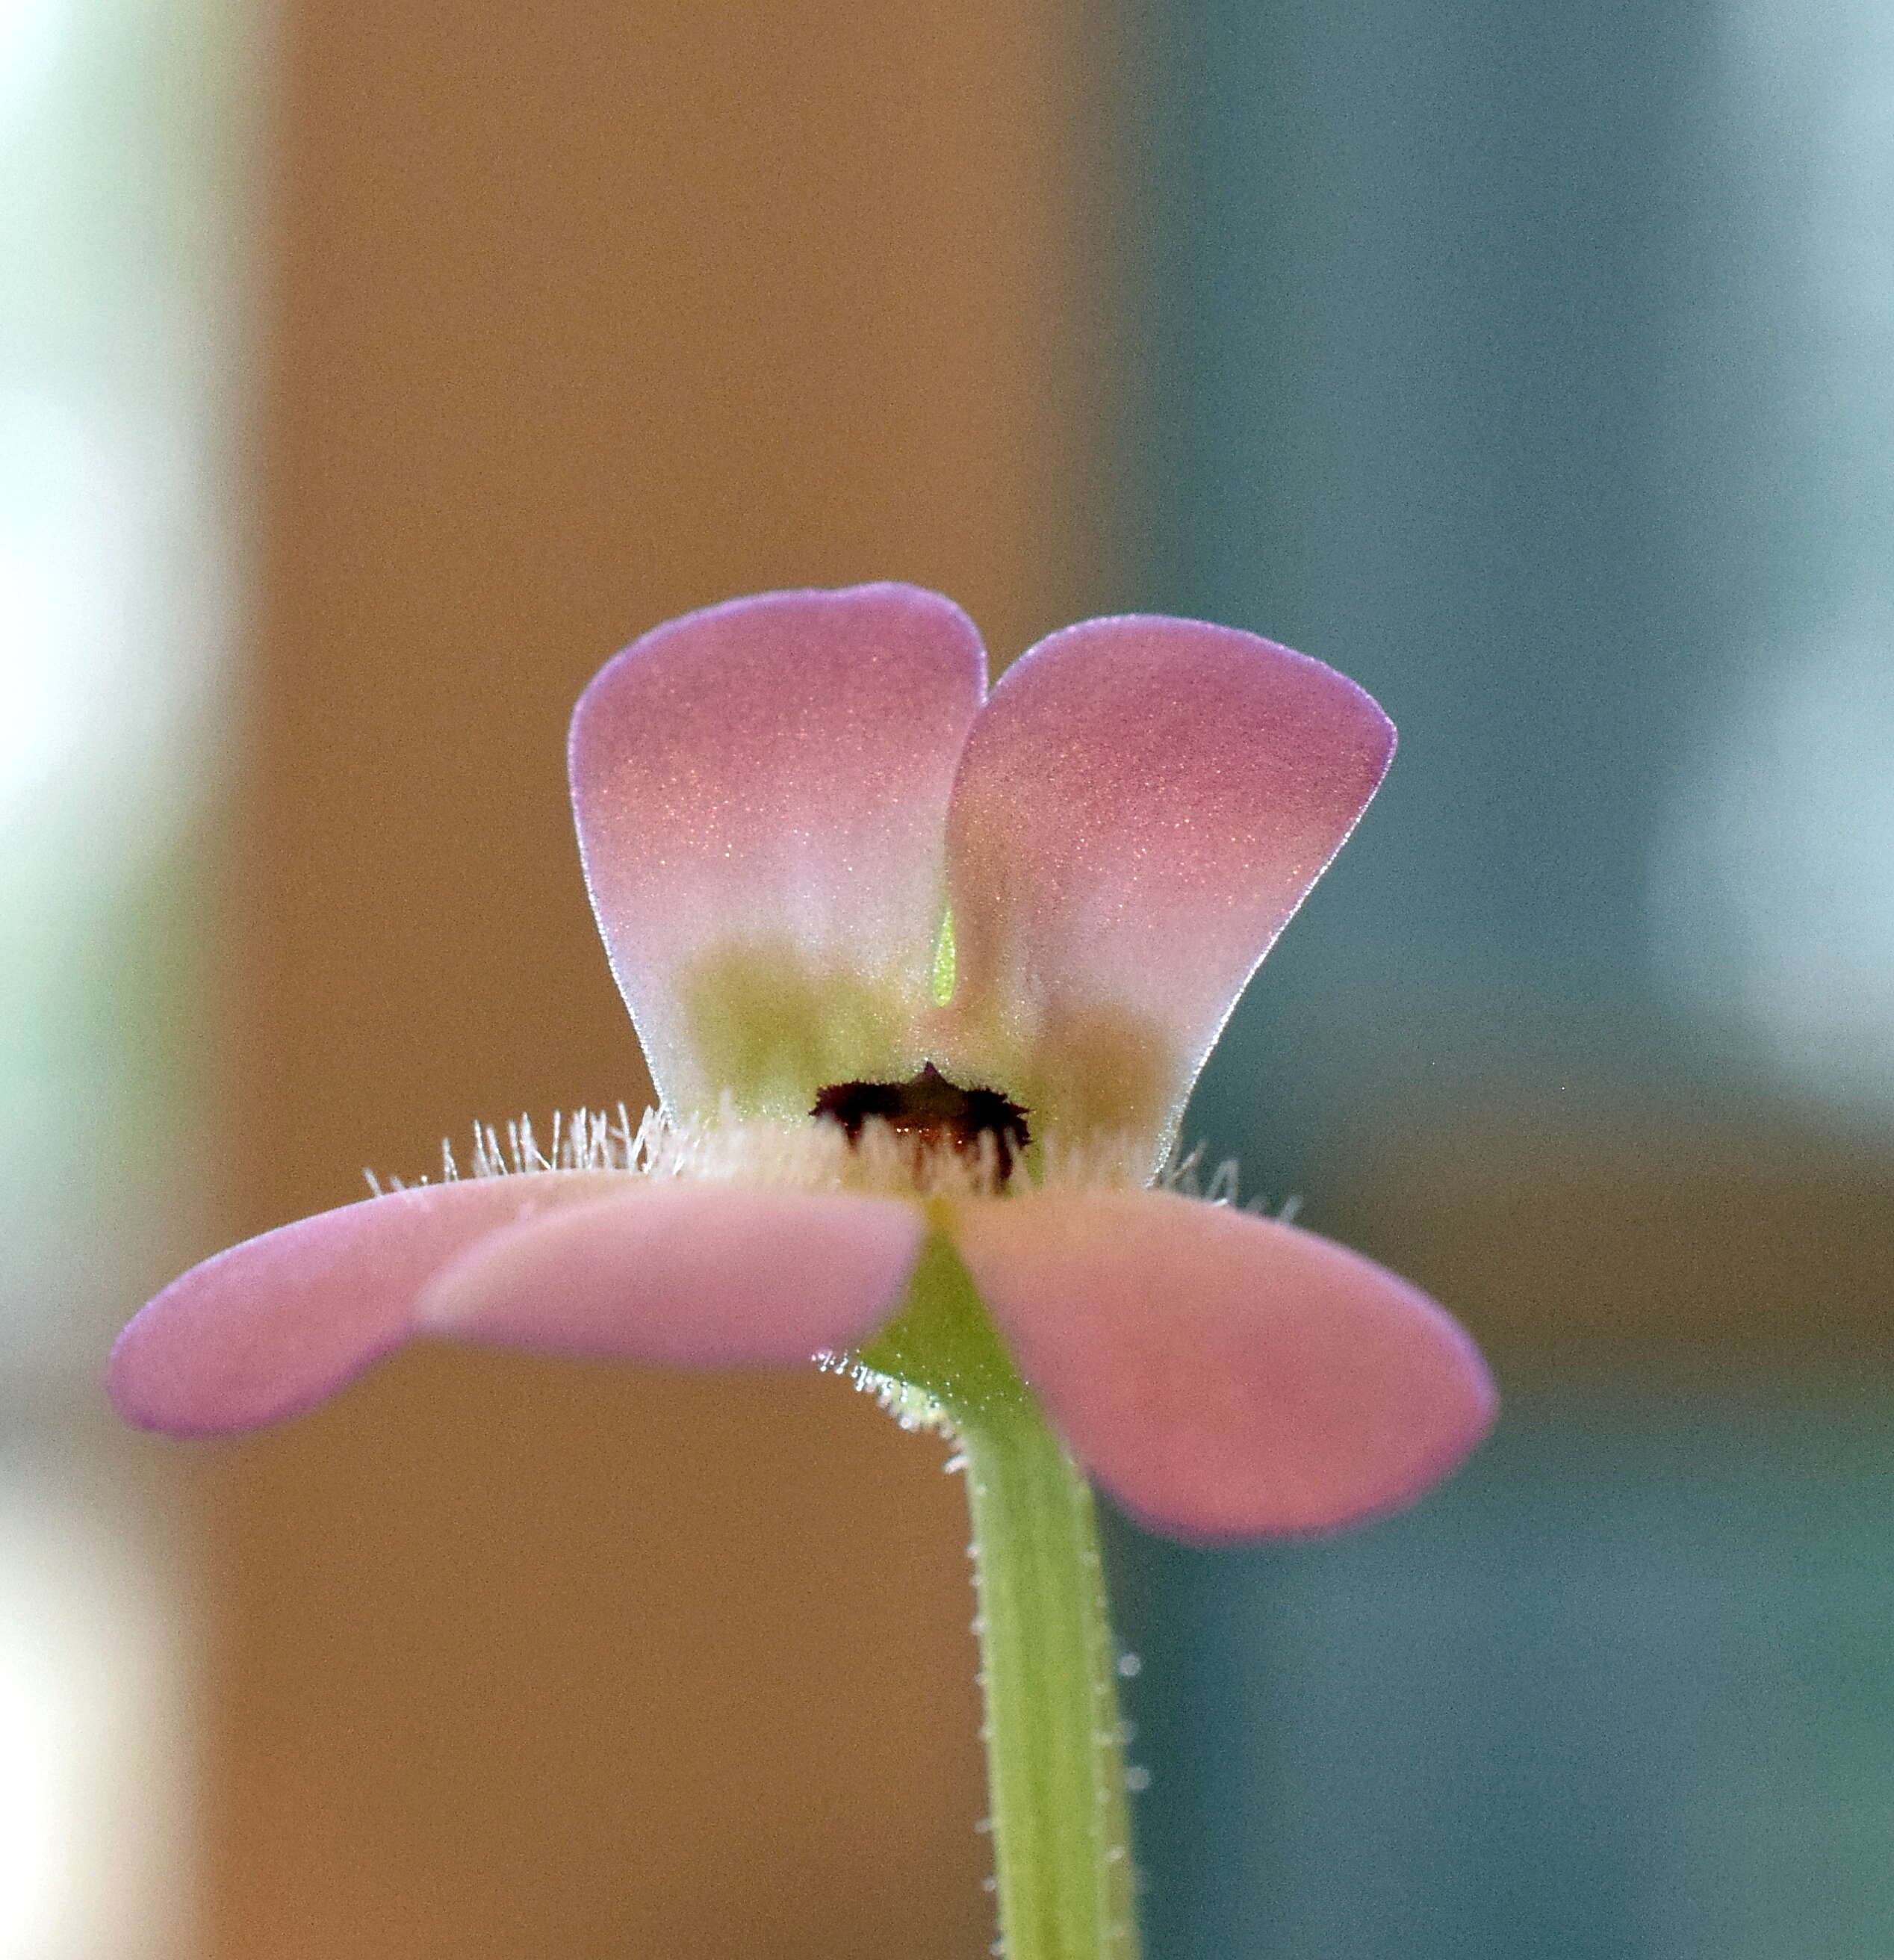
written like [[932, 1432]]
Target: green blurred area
[[1626, 1689], [1533, 366]]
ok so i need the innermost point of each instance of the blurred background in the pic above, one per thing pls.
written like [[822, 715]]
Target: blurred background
[[368, 373]]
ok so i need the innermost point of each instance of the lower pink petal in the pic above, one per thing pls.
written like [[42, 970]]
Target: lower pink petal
[[275, 1325], [1223, 1376], [697, 1276]]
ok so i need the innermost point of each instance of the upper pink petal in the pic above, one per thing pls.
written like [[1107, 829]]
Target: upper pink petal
[[761, 792], [1223, 1375], [700, 1276], [272, 1327], [1141, 807]]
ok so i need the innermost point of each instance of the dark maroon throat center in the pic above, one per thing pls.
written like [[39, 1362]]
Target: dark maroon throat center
[[932, 1110]]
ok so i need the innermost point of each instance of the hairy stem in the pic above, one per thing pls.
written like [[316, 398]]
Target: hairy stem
[[1055, 1746]]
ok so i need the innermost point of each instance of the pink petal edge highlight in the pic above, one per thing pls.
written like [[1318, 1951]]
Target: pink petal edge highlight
[[1223, 1375], [269, 1328], [683, 1275], [1140, 808], [773, 773]]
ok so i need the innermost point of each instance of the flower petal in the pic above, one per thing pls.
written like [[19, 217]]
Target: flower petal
[[1223, 1375], [697, 1276], [1142, 806], [272, 1327], [761, 793]]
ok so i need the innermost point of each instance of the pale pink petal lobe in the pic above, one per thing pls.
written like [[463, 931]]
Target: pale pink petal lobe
[[1226, 1376], [684, 1275], [761, 792], [1142, 806], [272, 1327]]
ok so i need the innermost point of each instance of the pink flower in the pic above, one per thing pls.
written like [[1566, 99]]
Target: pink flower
[[829, 871]]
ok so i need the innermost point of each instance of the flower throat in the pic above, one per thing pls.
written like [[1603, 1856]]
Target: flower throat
[[933, 1112]]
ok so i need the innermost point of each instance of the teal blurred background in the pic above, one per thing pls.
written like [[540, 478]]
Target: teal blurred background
[[1534, 366]]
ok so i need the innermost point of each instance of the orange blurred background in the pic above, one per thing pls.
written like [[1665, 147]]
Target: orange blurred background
[[576, 321]]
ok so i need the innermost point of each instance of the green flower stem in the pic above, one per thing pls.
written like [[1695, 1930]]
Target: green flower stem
[[1055, 1743], [1055, 1750]]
